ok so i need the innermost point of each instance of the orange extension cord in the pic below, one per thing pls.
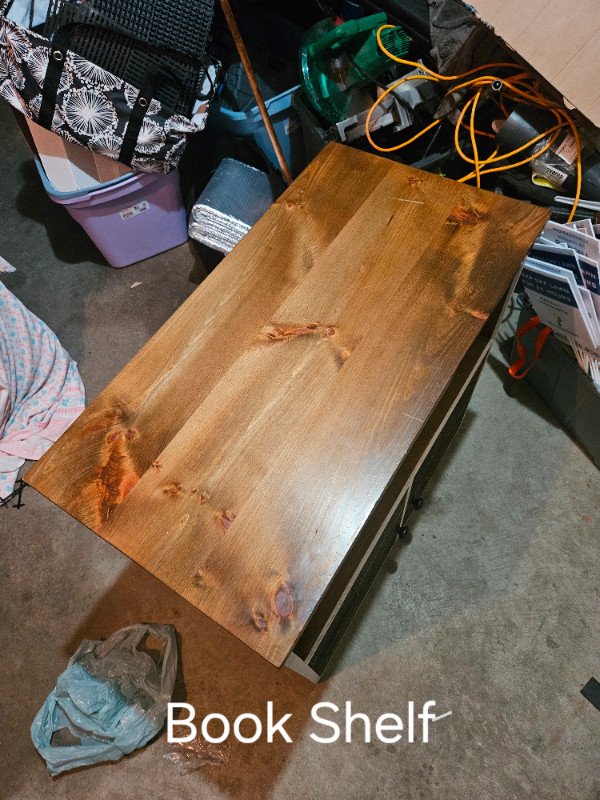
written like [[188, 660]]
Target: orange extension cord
[[523, 88]]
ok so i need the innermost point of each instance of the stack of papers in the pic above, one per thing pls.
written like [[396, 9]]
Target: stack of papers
[[562, 278]]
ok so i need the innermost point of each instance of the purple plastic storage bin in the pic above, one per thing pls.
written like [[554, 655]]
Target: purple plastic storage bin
[[132, 219]]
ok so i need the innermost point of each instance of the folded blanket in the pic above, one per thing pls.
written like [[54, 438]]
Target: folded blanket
[[41, 392]]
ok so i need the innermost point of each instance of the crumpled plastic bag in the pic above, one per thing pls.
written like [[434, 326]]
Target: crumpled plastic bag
[[112, 697]]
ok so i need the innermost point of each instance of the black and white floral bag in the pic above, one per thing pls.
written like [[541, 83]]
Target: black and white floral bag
[[86, 105]]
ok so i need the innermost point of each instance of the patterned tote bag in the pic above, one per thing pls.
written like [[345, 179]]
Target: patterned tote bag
[[85, 104]]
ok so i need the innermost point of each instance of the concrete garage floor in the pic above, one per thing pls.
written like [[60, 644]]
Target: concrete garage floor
[[491, 610]]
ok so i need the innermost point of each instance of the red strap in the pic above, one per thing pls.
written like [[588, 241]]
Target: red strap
[[539, 343]]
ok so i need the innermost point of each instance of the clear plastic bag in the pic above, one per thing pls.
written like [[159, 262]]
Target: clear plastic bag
[[189, 756], [112, 699]]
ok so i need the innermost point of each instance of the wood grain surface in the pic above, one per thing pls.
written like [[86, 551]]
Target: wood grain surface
[[238, 456]]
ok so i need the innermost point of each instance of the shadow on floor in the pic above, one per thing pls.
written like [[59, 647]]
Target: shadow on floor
[[68, 240], [56, 281], [394, 560], [519, 390], [220, 675], [524, 394]]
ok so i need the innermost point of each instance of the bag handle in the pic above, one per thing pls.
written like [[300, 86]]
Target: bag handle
[[61, 41], [6, 6], [539, 343], [60, 45], [138, 112], [140, 108]]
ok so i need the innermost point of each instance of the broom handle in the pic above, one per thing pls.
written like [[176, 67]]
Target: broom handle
[[237, 38]]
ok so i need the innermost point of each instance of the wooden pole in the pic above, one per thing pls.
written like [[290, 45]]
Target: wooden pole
[[241, 48]]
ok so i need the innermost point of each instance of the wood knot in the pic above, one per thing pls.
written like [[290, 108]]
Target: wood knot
[[467, 217], [328, 332], [284, 603], [116, 476], [156, 465], [259, 622], [227, 517], [97, 427], [172, 488], [129, 435], [203, 497], [478, 314], [274, 334]]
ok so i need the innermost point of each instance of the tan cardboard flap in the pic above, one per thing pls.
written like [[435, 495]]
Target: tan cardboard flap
[[70, 167], [560, 39]]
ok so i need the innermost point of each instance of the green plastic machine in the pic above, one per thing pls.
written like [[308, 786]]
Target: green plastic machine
[[336, 61]]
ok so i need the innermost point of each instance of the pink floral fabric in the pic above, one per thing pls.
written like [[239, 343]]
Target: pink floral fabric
[[41, 392]]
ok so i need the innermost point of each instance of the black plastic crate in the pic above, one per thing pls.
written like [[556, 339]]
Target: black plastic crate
[[126, 37]]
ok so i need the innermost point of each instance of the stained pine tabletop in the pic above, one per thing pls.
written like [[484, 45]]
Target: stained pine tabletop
[[239, 455]]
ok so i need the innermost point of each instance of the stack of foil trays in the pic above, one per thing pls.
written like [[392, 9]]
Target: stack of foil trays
[[234, 199]]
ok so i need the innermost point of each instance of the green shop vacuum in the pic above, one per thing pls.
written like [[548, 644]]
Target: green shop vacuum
[[336, 61]]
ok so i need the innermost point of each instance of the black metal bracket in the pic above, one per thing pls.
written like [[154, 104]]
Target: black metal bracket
[[16, 493]]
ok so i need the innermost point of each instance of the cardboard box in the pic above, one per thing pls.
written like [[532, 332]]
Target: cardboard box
[[559, 39], [69, 166]]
